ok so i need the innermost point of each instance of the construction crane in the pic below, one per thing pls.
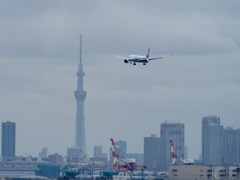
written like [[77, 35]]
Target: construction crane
[[72, 169], [175, 157], [121, 163]]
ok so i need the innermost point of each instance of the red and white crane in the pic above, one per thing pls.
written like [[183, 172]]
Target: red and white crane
[[121, 163], [115, 155], [175, 156]]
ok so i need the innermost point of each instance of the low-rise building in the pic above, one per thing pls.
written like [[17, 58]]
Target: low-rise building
[[202, 172], [26, 169]]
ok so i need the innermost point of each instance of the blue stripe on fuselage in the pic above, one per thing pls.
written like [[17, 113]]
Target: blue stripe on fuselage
[[138, 60]]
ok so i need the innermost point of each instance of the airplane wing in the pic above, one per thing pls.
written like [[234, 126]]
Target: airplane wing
[[159, 57], [120, 57]]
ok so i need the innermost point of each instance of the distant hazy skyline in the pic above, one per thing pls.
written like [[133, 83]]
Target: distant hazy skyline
[[39, 56]]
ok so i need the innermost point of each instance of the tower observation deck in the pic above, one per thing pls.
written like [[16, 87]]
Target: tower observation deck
[[80, 96]]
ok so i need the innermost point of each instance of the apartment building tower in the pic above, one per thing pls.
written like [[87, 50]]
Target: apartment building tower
[[8, 139], [212, 140], [175, 131]]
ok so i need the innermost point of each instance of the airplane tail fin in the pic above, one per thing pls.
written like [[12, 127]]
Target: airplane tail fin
[[147, 56]]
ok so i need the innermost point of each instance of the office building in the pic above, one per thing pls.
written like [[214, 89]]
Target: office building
[[28, 169], [97, 151], [203, 172], [176, 132], [43, 153], [55, 158], [8, 140], [121, 146], [80, 96], [212, 140], [152, 152], [229, 146], [238, 146], [99, 157], [74, 154]]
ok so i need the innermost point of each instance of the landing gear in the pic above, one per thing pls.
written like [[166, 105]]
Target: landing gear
[[144, 63], [134, 63]]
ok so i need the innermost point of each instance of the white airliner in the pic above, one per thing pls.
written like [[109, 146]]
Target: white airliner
[[140, 59]]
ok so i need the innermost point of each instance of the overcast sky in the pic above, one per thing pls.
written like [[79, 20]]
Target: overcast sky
[[39, 56]]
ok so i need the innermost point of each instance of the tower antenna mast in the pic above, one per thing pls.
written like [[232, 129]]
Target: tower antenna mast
[[80, 49]]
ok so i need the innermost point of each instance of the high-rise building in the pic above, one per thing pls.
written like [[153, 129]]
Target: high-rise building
[[152, 152], [74, 154], [238, 146], [212, 140], [8, 139], [122, 145], [80, 96], [229, 146], [97, 151], [43, 153], [176, 132]]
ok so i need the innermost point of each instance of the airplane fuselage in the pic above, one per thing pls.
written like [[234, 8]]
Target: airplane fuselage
[[137, 58]]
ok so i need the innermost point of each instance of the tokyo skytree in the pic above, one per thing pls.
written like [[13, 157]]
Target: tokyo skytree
[[80, 96]]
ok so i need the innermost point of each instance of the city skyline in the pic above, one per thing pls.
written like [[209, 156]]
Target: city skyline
[[228, 145], [39, 55]]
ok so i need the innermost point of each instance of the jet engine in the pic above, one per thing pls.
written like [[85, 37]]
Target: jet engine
[[126, 61]]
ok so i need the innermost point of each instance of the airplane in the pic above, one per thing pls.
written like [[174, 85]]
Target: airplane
[[140, 59]]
